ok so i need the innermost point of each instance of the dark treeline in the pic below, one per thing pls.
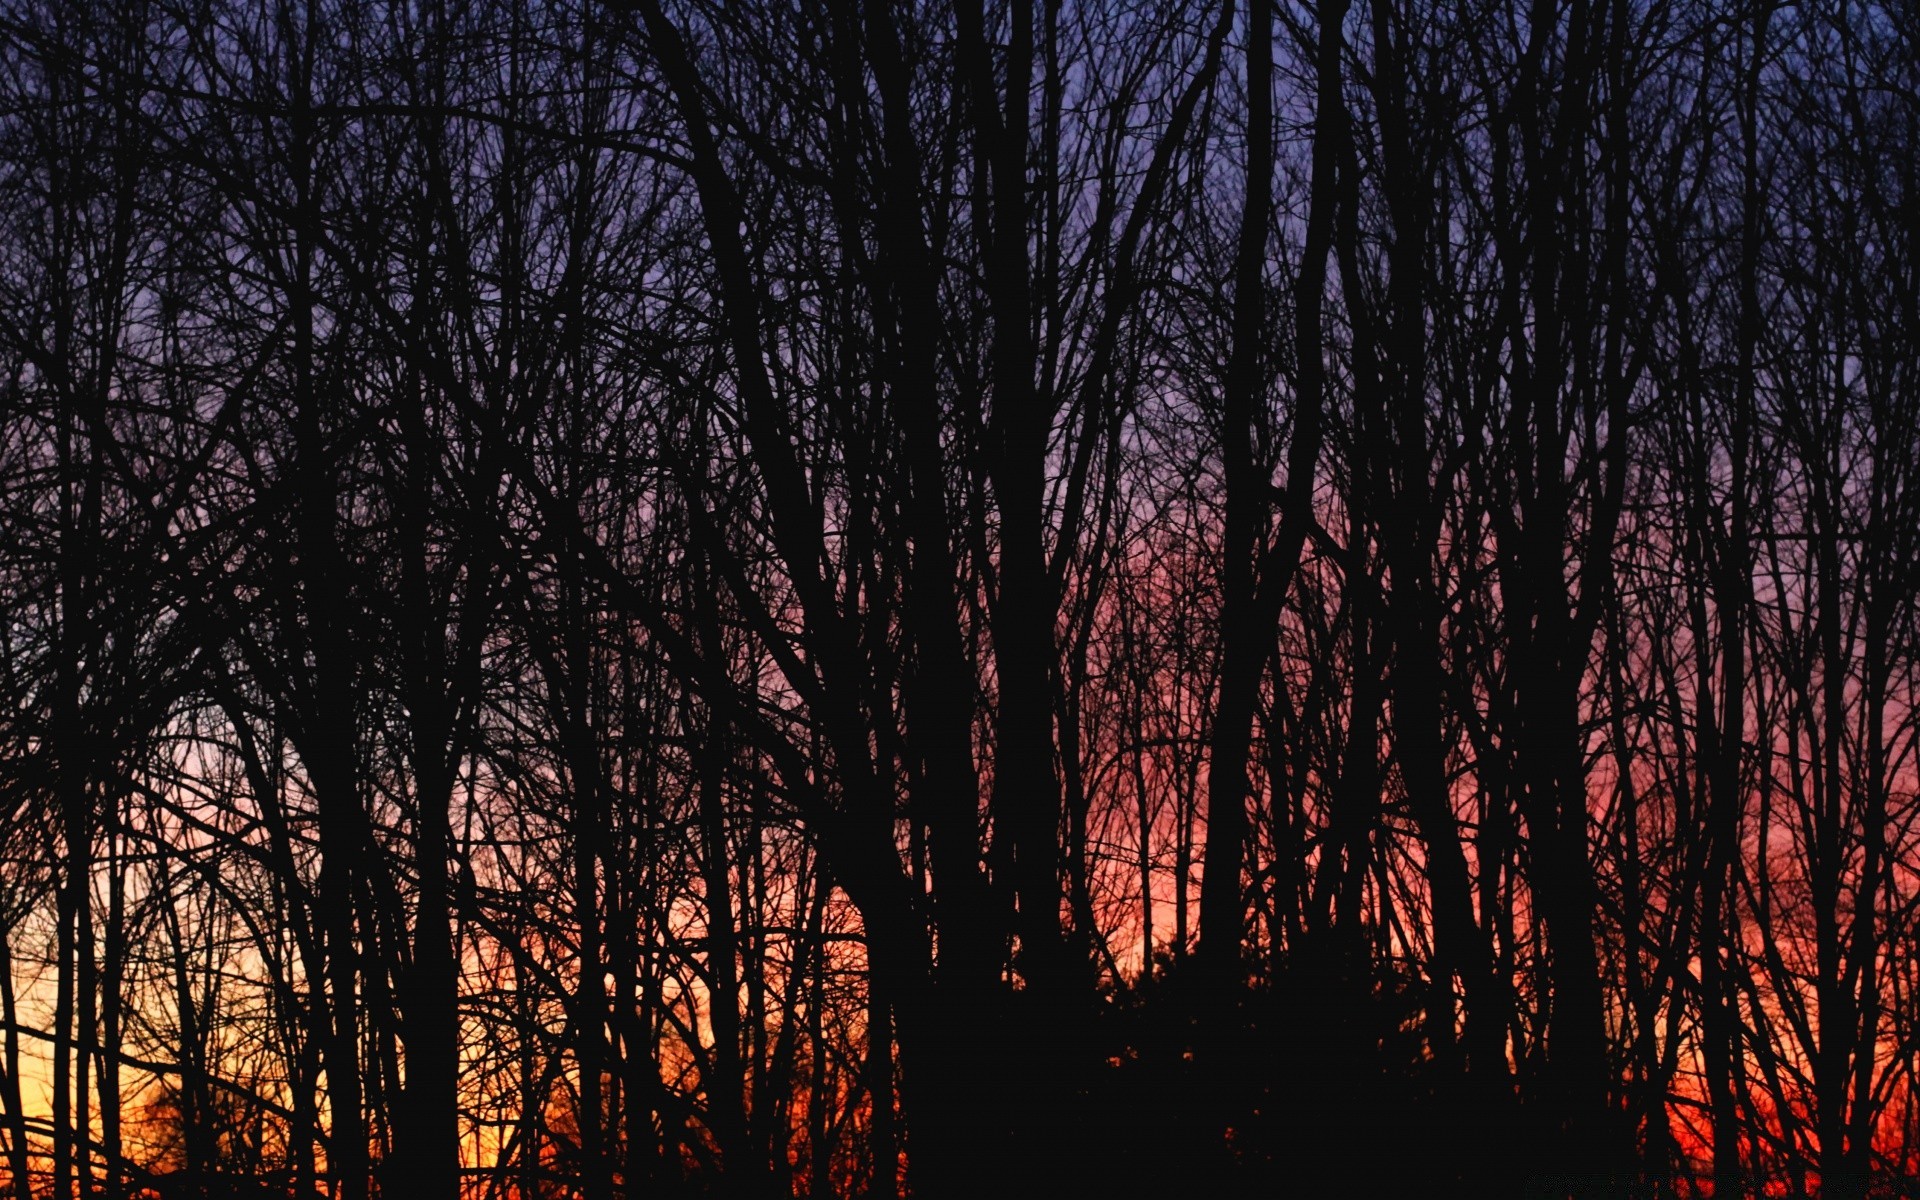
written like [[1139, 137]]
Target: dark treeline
[[964, 599]]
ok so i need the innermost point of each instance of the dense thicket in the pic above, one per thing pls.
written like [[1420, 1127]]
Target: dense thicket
[[967, 598]]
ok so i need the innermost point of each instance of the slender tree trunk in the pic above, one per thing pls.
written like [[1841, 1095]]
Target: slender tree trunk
[[18, 1150], [1243, 636]]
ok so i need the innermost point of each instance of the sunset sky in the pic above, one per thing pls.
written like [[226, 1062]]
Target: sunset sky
[[843, 599]]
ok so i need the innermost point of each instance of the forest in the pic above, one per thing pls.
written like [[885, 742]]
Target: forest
[[607, 599]]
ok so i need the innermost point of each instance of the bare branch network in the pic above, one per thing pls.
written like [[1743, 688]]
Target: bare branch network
[[951, 599]]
